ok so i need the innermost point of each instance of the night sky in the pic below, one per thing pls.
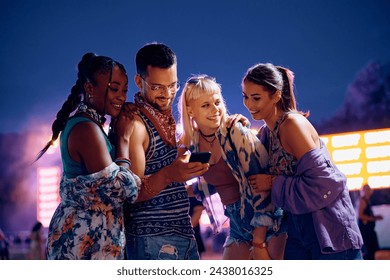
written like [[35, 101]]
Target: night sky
[[324, 42]]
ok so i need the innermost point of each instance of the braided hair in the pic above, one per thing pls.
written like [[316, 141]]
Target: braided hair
[[89, 67]]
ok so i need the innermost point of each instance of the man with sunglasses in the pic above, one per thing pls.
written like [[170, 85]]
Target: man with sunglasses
[[158, 225]]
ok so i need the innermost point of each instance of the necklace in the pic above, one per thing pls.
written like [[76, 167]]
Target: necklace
[[95, 116], [208, 136]]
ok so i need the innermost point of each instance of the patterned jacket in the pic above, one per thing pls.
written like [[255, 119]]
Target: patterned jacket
[[88, 223], [245, 155]]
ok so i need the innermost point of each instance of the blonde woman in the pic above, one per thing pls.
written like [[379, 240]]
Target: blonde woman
[[236, 153]]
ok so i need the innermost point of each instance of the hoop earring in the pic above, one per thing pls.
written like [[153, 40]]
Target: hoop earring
[[276, 108]]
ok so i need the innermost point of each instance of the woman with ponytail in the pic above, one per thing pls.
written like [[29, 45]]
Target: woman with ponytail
[[88, 223], [301, 176]]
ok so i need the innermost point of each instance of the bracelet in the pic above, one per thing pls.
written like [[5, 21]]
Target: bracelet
[[146, 185], [260, 245], [123, 160]]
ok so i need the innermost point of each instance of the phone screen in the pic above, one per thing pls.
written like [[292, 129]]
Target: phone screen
[[202, 157]]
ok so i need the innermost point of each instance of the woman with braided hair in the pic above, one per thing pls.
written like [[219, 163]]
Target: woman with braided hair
[[88, 223]]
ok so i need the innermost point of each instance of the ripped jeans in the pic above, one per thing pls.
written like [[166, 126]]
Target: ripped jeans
[[164, 247]]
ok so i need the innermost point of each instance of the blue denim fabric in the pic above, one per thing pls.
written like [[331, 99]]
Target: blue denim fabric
[[240, 228], [164, 247], [302, 242]]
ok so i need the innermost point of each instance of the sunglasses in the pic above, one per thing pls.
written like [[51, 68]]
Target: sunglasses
[[195, 80]]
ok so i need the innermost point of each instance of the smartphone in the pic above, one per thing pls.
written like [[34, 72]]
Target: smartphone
[[202, 157]]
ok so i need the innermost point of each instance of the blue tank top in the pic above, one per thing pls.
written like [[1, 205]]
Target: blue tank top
[[166, 213], [73, 168]]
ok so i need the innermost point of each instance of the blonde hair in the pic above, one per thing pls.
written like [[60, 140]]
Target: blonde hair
[[196, 87]]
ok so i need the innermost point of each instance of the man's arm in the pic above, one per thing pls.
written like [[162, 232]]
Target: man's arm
[[179, 171], [137, 146]]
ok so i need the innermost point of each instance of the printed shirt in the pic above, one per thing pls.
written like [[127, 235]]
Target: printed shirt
[[245, 155], [167, 212], [88, 223]]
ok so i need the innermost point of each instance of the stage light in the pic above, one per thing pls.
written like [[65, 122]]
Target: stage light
[[363, 156]]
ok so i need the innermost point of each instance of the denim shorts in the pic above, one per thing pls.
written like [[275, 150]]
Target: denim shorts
[[164, 247], [241, 229]]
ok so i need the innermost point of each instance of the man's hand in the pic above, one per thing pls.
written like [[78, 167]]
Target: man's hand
[[123, 124], [181, 170]]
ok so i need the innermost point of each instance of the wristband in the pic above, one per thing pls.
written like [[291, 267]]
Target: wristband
[[261, 245], [123, 160]]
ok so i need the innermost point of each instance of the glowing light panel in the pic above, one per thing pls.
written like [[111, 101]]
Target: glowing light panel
[[363, 156], [47, 194]]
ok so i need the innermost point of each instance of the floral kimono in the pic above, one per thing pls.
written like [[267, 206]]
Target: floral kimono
[[88, 223]]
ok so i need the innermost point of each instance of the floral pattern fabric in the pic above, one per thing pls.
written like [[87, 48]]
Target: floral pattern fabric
[[280, 162], [88, 223]]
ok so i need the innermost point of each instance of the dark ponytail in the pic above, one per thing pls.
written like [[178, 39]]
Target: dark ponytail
[[275, 78], [288, 97]]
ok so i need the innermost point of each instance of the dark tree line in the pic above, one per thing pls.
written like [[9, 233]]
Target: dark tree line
[[366, 105]]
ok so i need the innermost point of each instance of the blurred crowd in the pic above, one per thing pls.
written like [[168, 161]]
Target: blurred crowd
[[23, 245]]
